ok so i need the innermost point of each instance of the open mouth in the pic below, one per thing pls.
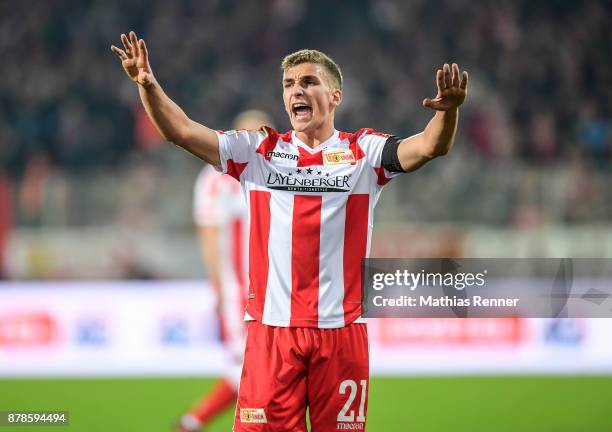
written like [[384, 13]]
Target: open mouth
[[301, 110]]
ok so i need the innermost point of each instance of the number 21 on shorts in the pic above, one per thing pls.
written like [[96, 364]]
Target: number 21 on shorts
[[349, 416]]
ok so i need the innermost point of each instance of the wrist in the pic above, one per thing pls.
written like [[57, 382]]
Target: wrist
[[148, 83], [449, 115]]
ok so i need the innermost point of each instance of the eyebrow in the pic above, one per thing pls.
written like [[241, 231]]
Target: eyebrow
[[302, 77]]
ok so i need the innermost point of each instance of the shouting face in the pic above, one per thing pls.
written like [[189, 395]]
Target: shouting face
[[310, 97]]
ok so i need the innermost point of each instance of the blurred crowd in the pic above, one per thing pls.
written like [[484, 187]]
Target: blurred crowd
[[539, 101]]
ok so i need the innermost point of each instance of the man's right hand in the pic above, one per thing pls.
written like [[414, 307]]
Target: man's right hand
[[135, 59]]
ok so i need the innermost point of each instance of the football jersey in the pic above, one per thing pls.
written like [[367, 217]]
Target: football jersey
[[218, 202], [310, 216]]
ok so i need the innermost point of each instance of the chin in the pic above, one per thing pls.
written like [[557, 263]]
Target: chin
[[300, 126]]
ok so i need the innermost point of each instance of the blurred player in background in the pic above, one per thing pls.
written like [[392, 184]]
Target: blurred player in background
[[310, 195], [220, 215]]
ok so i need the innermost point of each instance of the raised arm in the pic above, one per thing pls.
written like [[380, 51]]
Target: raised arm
[[439, 135], [169, 119]]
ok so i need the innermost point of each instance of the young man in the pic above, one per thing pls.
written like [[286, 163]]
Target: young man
[[310, 194], [220, 215]]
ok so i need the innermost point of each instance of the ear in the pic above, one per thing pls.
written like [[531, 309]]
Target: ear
[[336, 97]]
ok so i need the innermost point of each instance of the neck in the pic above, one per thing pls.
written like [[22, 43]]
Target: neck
[[316, 137]]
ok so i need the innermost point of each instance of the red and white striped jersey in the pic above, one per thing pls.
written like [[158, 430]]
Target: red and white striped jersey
[[310, 221], [218, 202]]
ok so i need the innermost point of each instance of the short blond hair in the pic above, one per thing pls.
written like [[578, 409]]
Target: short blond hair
[[317, 57]]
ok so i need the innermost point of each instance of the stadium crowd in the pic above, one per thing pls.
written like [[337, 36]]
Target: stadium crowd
[[539, 103]]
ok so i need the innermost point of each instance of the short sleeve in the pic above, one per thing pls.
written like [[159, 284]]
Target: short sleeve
[[373, 143], [236, 149]]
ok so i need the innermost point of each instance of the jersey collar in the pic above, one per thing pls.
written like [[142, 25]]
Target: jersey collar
[[321, 146]]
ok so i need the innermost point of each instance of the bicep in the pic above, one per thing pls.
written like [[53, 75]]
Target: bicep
[[202, 142], [412, 152]]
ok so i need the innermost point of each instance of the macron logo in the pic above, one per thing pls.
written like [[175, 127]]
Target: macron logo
[[281, 155]]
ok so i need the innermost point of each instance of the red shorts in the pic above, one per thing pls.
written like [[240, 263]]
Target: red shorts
[[287, 369]]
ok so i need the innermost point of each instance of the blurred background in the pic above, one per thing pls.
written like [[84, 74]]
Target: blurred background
[[90, 192]]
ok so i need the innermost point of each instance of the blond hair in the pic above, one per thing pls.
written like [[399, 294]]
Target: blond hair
[[317, 57]]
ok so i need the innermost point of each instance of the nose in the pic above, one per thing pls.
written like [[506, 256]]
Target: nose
[[297, 89]]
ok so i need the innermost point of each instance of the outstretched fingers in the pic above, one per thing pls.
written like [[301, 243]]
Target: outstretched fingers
[[452, 88], [464, 80], [445, 78], [448, 81], [440, 81], [134, 43], [451, 77], [119, 53], [143, 51], [455, 75], [127, 45]]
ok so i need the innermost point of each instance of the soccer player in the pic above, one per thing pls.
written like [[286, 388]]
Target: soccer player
[[220, 213], [310, 194]]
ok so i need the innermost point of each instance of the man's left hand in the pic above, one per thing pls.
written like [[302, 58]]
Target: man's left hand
[[451, 90]]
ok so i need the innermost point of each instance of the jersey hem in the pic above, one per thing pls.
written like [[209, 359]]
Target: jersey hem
[[251, 315]]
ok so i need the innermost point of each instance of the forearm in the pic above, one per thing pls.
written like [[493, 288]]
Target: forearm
[[176, 127], [169, 119], [439, 134], [436, 140]]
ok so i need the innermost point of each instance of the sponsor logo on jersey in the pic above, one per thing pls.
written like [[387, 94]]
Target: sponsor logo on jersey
[[296, 183], [282, 155], [338, 157], [253, 415]]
